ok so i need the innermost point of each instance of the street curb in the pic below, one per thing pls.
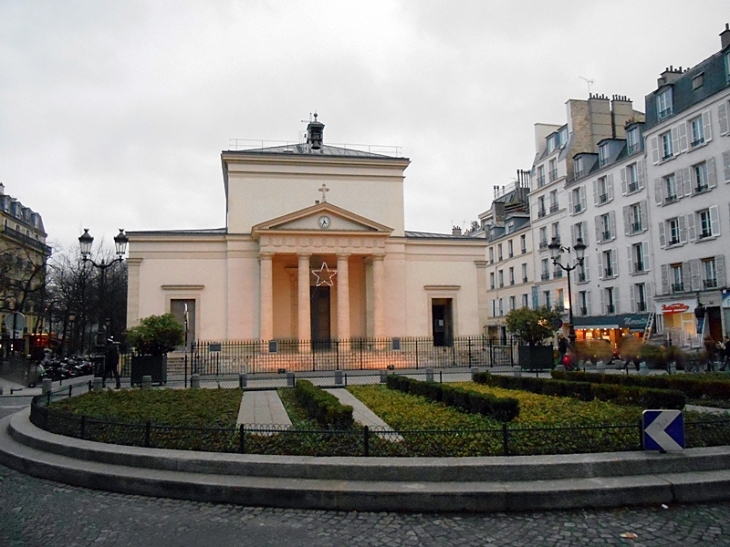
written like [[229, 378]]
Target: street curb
[[518, 483]]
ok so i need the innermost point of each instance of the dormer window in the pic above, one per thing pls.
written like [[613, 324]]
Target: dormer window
[[551, 143], [632, 140], [603, 154], [698, 81], [664, 104], [562, 137], [578, 167]]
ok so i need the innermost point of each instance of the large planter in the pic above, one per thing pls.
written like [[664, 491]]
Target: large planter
[[149, 365], [536, 357]]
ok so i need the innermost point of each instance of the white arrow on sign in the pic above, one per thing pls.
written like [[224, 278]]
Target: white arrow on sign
[[657, 430]]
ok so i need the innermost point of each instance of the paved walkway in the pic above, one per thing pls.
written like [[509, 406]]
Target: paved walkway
[[262, 408], [362, 414]]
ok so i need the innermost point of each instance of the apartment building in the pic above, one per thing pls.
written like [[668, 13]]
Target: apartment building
[[576, 163], [688, 165], [510, 277]]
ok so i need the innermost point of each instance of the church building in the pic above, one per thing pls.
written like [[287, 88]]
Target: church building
[[314, 248]]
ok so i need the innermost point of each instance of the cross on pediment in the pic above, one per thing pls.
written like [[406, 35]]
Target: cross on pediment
[[324, 191]]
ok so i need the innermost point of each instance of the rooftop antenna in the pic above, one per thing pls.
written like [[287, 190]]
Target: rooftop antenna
[[589, 82]]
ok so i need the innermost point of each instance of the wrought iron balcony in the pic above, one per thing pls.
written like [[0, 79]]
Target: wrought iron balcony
[[677, 287], [709, 283]]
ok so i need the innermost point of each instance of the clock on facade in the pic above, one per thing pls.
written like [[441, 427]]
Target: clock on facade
[[324, 222]]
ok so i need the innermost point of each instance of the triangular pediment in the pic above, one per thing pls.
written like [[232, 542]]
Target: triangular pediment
[[321, 218]]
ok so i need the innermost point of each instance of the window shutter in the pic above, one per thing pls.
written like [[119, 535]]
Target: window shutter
[[706, 122], [715, 220], [665, 278], [616, 301], [614, 261], [603, 302], [601, 266], [599, 230], [609, 184], [711, 172], [654, 150], [694, 268], [687, 181], [682, 137], [722, 117], [720, 270], [640, 173], [691, 226], [632, 295], [588, 302], [631, 259], [595, 192], [624, 190], [583, 200], [662, 235], [570, 203], [658, 191], [585, 232], [726, 165], [649, 295], [586, 269], [645, 251], [675, 141], [686, 277], [627, 222], [612, 218]]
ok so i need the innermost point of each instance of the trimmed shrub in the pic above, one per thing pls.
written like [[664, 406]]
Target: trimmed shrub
[[503, 409], [323, 407]]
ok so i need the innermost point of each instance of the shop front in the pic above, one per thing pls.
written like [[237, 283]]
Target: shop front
[[611, 327]]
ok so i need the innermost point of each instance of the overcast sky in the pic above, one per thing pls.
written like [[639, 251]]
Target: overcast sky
[[114, 114]]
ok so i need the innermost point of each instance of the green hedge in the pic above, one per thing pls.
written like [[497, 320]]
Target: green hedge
[[694, 387], [579, 385], [323, 407], [500, 408]]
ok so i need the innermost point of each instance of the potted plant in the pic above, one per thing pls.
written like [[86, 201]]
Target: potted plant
[[653, 355], [533, 328], [152, 340]]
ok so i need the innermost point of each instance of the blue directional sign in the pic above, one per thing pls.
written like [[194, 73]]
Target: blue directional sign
[[663, 429]]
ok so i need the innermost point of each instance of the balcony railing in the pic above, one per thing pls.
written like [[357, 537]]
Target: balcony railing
[[636, 227], [638, 266], [710, 283], [641, 306], [541, 213], [608, 272], [557, 274], [545, 276], [602, 198], [577, 208], [543, 244], [677, 287], [633, 187], [554, 208], [584, 311], [674, 241], [26, 240], [606, 236], [698, 142], [524, 279], [582, 277], [559, 308], [670, 199], [701, 188], [705, 234], [553, 175], [541, 181], [610, 308]]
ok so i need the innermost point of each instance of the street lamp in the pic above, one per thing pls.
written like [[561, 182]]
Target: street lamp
[[555, 250], [85, 242]]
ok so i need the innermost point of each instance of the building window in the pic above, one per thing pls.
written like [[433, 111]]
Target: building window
[[675, 271], [577, 202], [525, 301], [491, 280], [540, 176], [511, 275], [638, 258], [500, 276], [603, 154], [499, 252], [583, 303], [670, 183], [697, 131], [666, 140], [491, 255], [545, 269], [602, 189], [727, 66], [524, 272], [608, 265], [554, 201], [664, 103], [543, 238], [632, 177], [512, 303], [560, 301], [555, 229], [583, 271], [510, 250], [501, 307], [698, 81], [604, 227], [578, 233], [523, 243], [708, 221], [709, 273], [578, 167], [541, 207], [635, 225], [546, 296], [553, 166], [610, 295], [633, 144], [699, 174], [640, 297], [673, 231]]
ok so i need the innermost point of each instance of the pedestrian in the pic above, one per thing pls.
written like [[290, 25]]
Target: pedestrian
[[111, 363], [725, 354], [562, 347]]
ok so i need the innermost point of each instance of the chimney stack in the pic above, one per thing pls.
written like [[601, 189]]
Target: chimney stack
[[725, 37], [456, 230], [315, 134]]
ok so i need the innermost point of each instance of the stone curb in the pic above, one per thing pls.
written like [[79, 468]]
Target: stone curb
[[372, 484]]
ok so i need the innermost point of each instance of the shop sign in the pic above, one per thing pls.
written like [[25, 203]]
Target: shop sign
[[677, 306]]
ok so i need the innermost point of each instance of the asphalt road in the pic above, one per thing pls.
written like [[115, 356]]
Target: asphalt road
[[36, 512]]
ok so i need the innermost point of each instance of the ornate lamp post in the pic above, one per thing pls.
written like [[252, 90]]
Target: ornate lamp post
[[85, 242], [555, 250]]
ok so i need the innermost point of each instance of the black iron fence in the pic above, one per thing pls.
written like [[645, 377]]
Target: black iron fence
[[254, 356], [509, 439]]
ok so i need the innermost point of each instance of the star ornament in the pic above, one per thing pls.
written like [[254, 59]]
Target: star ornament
[[325, 276]]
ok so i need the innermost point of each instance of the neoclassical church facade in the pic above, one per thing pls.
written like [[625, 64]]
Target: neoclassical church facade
[[314, 248]]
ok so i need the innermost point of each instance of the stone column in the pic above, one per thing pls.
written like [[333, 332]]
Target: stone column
[[304, 320], [343, 299], [266, 291], [378, 297], [133, 266]]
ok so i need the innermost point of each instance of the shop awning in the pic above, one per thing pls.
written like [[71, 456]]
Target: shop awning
[[632, 321]]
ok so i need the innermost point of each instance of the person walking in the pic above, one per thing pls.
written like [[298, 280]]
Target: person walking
[[111, 363]]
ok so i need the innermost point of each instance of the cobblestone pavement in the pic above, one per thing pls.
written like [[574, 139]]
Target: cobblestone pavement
[[36, 512]]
